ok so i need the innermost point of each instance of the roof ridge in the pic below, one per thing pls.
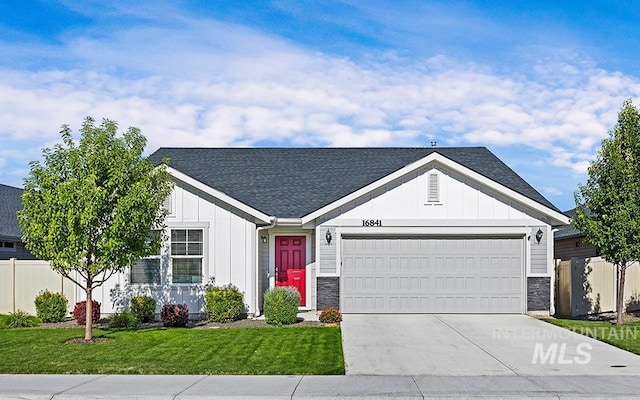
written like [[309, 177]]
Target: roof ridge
[[10, 187]]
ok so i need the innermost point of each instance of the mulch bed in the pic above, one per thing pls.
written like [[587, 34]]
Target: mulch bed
[[84, 341], [241, 323], [632, 316]]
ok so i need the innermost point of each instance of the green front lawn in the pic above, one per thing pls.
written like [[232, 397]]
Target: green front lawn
[[625, 336], [256, 351]]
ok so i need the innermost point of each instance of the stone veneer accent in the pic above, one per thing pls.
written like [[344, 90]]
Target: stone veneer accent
[[328, 292], [538, 293]]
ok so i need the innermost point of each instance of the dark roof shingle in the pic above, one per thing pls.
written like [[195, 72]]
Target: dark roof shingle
[[293, 182], [570, 230], [10, 204]]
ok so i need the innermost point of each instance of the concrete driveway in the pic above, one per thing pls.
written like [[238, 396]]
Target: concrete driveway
[[453, 345]]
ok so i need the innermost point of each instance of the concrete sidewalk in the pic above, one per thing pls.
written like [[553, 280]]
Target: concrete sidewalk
[[150, 387]]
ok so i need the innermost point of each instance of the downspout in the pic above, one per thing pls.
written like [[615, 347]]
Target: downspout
[[272, 223], [552, 295]]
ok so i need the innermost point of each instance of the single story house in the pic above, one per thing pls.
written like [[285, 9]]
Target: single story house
[[364, 230], [10, 235]]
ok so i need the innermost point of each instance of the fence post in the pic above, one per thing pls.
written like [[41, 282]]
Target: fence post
[[13, 288]]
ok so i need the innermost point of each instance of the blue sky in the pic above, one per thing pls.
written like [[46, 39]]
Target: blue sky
[[537, 82]]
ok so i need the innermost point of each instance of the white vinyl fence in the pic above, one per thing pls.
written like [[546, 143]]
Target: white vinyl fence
[[22, 280]]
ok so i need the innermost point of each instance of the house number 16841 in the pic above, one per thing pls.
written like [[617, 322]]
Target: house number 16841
[[371, 222]]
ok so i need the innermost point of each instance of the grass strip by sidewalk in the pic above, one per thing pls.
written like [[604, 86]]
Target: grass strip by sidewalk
[[304, 350], [625, 336]]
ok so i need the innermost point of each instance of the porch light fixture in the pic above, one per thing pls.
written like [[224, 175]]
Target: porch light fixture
[[328, 237], [539, 235], [264, 239]]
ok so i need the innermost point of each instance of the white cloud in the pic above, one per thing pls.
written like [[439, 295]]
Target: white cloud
[[205, 83]]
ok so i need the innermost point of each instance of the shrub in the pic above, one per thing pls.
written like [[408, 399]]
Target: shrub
[[51, 307], [144, 308], [281, 305], [174, 315], [330, 316], [21, 319], [123, 320], [224, 303], [80, 312]]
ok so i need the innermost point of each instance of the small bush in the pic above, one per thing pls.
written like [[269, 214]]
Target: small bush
[[144, 308], [80, 312], [123, 320], [224, 303], [174, 315], [330, 316], [281, 305], [51, 307], [21, 319]]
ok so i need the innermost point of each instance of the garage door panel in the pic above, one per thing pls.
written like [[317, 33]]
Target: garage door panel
[[417, 275]]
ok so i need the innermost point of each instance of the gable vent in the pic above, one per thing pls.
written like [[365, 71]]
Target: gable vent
[[167, 205], [433, 194]]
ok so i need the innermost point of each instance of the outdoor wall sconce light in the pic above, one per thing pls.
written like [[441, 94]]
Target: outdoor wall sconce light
[[328, 237], [539, 235], [264, 239]]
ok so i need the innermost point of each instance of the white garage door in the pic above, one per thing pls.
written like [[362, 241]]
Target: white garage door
[[432, 275]]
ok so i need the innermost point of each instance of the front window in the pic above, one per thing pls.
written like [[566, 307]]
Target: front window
[[147, 270], [186, 255]]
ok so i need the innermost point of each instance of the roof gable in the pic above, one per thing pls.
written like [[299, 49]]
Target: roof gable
[[294, 182], [10, 204]]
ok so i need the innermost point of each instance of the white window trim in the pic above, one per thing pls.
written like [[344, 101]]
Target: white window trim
[[204, 226]]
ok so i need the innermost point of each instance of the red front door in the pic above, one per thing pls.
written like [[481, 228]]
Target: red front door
[[291, 261]]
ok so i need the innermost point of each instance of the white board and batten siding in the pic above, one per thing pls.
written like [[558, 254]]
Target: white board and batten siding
[[460, 198], [229, 244], [462, 213], [231, 238]]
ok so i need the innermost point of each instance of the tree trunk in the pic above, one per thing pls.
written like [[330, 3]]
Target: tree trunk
[[88, 325], [622, 269]]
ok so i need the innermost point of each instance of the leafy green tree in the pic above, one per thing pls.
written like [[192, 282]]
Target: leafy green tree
[[89, 207], [608, 205]]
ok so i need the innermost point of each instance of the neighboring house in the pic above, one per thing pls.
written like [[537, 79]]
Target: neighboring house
[[570, 242], [365, 230], [585, 282], [10, 243]]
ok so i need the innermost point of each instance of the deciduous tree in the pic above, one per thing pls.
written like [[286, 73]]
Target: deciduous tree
[[608, 205], [89, 206]]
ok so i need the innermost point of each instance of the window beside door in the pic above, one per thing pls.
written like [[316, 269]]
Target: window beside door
[[186, 255], [186, 251]]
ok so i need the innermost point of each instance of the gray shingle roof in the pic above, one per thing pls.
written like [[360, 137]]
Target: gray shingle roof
[[293, 182], [10, 204], [569, 230]]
